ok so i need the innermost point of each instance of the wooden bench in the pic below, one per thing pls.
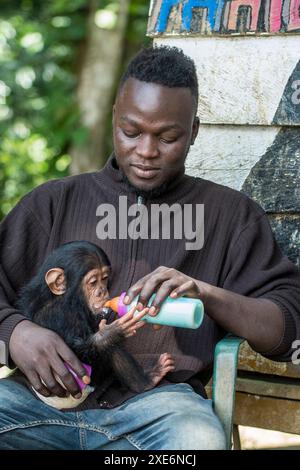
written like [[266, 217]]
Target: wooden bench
[[267, 393]]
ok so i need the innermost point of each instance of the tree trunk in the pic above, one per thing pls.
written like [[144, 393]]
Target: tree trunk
[[96, 85]]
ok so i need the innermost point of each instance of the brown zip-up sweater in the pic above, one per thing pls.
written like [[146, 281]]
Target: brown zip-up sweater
[[239, 254]]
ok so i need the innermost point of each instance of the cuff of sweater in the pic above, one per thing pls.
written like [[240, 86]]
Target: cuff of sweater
[[289, 333], [6, 329]]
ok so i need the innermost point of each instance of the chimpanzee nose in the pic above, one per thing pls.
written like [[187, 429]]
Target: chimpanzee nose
[[102, 292]]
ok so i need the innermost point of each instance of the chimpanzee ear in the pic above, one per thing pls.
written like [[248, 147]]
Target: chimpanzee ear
[[55, 280]]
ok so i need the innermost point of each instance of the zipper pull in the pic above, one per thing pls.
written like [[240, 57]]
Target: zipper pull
[[140, 200]]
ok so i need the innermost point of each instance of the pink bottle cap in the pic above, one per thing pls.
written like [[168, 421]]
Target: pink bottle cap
[[122, 308], [81, 384]]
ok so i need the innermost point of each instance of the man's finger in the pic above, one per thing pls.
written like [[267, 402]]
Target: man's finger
[[135, 290], [68, 356], [163, 292], [161, 283], [37, 384], [184, 289], [49, 380], [65, 375]]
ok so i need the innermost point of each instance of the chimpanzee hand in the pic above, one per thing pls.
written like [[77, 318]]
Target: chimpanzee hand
[[113, 334], [40, 354], [126, 326], [163, 282]]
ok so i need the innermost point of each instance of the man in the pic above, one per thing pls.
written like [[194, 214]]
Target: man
[[247, 286]]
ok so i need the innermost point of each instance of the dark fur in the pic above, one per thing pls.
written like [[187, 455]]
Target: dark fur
[[70, 317]]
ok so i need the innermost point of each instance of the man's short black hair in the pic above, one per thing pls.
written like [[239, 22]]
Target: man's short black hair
[[164, 65]]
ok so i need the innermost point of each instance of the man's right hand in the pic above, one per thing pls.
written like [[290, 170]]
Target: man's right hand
[[40, 354]]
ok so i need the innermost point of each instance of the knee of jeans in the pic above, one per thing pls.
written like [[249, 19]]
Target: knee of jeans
[[192, 432]]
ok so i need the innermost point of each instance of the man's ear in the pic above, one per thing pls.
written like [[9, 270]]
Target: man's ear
[[55, 280], [195, 130]]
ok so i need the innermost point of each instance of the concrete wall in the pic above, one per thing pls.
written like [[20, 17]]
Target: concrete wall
[[247, 55]]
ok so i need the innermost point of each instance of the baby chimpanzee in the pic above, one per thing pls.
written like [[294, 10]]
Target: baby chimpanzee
[[68, 295]]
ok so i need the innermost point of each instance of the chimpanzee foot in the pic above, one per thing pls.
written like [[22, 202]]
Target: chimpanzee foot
[[164, 365]]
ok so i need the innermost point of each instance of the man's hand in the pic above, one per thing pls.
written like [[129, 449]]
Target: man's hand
[[40, 354], [164, 282]]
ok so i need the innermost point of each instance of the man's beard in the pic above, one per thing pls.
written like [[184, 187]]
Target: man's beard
[[151, 193]]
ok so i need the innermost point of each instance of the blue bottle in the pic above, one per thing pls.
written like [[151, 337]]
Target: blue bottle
[[182, 312]]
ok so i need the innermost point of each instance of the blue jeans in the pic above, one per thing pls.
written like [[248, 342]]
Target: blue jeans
[[172, 417]]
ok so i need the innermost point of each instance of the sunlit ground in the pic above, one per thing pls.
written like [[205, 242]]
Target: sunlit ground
[[255, 438]]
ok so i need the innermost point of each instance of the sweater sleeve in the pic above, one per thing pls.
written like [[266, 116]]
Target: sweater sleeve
[[257, 268], [24, 235]]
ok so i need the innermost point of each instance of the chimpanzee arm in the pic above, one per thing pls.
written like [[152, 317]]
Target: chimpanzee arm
[[106, 339], [107, 345]]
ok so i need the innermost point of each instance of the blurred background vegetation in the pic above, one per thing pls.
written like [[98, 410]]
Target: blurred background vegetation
[[60, 62]]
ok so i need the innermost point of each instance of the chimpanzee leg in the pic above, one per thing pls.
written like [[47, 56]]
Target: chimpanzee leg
[[131, 374]]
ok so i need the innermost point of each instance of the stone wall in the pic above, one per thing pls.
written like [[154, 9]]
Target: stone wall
[[247, 54]]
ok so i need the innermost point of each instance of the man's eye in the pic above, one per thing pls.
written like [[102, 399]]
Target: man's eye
[[168, 141], [131, 135]]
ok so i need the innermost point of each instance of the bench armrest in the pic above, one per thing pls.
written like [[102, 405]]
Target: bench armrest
[[224, 378]]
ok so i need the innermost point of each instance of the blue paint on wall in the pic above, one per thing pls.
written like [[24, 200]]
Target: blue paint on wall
[[164, 14], [214, 8], [187, 12]]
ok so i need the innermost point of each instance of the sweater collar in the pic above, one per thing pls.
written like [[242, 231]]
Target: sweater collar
[[176, 189]]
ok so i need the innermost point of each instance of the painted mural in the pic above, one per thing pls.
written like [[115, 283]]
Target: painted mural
[[274, 180], [224, 16]]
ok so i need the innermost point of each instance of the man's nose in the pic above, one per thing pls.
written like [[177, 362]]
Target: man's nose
[[147, 146]]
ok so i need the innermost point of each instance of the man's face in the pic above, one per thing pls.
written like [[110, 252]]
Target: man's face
[[154, 127]]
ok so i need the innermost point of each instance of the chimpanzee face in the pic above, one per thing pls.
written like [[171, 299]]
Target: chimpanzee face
[[94, 286]]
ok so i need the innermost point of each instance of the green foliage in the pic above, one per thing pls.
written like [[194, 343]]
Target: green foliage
[[41, 43]]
